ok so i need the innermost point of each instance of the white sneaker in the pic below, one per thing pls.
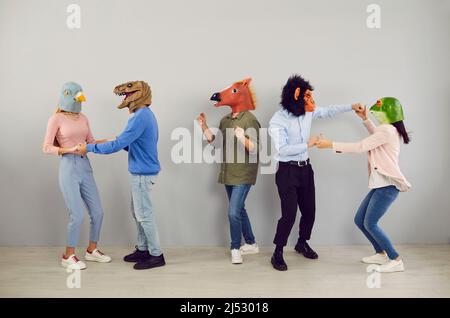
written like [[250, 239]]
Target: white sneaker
[[97, 256], [72, 262], [249, 249], [236, 257], [391, 267], [379, 259]]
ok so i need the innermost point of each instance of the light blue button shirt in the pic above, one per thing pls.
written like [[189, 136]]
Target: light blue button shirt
[[290, 134]]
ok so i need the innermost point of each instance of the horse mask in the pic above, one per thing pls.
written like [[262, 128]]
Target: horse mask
[[239, 96]]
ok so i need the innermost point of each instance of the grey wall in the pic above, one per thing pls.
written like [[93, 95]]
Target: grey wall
[[187, 50]]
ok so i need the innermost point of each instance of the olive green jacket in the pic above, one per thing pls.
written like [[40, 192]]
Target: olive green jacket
[[238, 165]]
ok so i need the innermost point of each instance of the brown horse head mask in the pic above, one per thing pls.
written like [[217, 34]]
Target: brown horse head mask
[[137, 95], [239, 96]]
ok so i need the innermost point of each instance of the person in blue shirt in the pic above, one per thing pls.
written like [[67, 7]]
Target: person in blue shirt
[[290, 131], [140, 139]]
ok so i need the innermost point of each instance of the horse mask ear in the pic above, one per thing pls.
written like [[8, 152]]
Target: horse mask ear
[[246, 81]]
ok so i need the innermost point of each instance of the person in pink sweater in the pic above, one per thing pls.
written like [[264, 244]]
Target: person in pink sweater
[[67, 128], [385, 178]]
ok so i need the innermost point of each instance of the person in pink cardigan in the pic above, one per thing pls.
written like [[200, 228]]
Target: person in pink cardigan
[[385, 178], [67, 128]]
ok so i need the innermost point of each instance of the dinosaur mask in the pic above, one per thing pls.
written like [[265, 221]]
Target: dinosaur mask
[[137, 94], [239, 96], [71, 97], [387, 110]]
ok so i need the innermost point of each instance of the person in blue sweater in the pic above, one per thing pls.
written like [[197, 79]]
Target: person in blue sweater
[[140, 139]]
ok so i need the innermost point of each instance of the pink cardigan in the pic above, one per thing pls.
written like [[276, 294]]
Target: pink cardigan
[[66, 132], [383, 147]]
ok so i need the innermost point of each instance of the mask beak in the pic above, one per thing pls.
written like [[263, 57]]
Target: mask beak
[[80, 97]]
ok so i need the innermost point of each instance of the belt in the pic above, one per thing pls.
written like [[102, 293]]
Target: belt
[[73, 155], [296, 163]]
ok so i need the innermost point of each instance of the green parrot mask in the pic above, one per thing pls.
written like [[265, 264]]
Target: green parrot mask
[[387, 110]]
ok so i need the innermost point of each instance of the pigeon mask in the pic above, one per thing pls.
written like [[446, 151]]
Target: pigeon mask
[[71, 97]]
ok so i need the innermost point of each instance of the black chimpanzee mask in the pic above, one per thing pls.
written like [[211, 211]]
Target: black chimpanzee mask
[[288, 100]]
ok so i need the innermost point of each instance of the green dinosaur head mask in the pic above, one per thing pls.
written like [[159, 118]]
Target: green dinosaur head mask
[[387, 110], [137, 94], [71, 97]]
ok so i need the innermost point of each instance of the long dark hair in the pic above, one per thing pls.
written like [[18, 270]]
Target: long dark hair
[[400, 126]]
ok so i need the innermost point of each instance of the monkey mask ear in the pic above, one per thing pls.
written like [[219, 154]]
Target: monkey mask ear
[[297, 93]]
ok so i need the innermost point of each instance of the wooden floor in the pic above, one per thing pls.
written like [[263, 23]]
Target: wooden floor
[[207, 272]]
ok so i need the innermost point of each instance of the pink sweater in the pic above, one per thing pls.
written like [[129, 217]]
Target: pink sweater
[[383, 147], [63, 131]]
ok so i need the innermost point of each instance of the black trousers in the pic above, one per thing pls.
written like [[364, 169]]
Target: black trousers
[[296, 188]]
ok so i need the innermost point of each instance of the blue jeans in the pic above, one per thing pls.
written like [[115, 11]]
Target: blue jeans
[[237, 215], [142, 210], [77, 184], [372, 208]]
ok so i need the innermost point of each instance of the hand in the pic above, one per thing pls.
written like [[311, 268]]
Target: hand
[[201, 119], [313, 141], [362, 114], [324, 143], [239, 133], [62, 151], [81, 148], [358, 107]]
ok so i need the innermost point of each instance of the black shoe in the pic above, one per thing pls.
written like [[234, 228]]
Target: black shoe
[[302, 247], [152, 262], [278, 262], [137, 256]]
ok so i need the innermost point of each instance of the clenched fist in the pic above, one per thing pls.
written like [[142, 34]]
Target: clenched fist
[[358, 108], [313, 141], [239, 132], [201, 119]]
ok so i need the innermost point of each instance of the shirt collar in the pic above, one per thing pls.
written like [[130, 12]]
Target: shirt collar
[[239, 116], [285, 113], [139, 110], [288, 114]]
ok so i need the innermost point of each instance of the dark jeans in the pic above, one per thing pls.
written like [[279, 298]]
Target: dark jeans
[[237, 215], [296, 188], [372, 208]]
